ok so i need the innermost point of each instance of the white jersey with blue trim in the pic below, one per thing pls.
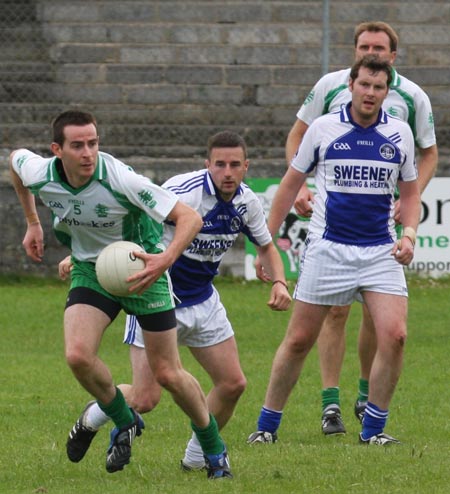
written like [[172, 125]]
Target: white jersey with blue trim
[[356, 172], [192, 274], [405, 100], [116, 204]]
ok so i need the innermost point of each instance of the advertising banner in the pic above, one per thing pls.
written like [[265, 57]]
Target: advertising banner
[[432, 252], [291, 236]]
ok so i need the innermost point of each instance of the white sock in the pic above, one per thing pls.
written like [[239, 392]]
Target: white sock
[[193, 455], [95, 417]]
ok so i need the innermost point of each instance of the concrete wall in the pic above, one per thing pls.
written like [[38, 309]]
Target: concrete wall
[[161, 76]]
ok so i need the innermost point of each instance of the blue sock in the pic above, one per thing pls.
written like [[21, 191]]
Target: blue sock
[[374, 421], [269, 420]]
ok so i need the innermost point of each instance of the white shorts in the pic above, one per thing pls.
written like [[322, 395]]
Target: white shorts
[[336, 274], [200, 325]]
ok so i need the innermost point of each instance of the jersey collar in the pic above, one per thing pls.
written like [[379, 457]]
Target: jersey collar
[[54, 174], [211, 189], [395, 78], [346, 116], [100, 170]]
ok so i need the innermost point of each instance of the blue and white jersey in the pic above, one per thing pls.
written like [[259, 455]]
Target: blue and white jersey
[[405, 100], [356, 171], [192, 274]]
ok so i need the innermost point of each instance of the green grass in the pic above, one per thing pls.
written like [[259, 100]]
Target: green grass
[[39, 401]]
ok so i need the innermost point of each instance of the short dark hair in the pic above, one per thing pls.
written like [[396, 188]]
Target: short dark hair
[[377, 27], [70, 117], [226, 139], [374, 64]]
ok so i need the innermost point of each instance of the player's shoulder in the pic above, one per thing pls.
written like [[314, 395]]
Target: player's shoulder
[[402, 83], [23, 154], [31, 165], [190, 187], [112, 162], [396, 126], [396, 121], [247, 200], [112, 170], [335, 79], [246, 193], [186, 182], [327, 118]]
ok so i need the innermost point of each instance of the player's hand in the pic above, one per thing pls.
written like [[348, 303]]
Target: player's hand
[[304, 201], [403, 251], [33, 242], [279, 297], [155, 266], [261, 273], [64, 268]]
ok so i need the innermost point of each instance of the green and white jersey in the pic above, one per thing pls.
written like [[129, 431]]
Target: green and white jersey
[[405, 100], [116, 204]]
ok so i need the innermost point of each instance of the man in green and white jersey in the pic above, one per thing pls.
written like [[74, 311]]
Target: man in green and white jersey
[[408, 102], [95, 200]]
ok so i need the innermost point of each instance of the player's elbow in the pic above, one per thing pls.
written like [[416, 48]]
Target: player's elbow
[[194, 220], [198, 221], [182, 214], [12, 172], [11, 156]]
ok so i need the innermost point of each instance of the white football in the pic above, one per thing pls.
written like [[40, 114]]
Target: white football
[[115, 264]]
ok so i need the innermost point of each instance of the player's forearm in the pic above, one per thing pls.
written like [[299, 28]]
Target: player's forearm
[[187, 224], [271, 261], [410, 205], [26, 198], [284, 199], [427, 165], [292, 144], [294, 139], [278, 212]]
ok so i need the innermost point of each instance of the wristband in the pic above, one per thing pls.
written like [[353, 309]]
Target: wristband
[[32, 219], [282, 282], [409, 232]]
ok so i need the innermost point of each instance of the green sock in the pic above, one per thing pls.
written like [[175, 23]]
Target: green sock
[[118, 410], [363, 389], [209, 437], [330, 396]]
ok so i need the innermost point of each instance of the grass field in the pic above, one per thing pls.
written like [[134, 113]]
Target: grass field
[[39, 401]]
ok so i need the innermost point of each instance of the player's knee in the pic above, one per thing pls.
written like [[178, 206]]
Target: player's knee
[[143, 397], [78, 359], [400, 337], [233, 389], [146, 402], [241, 385], [167, 378], [397, 337], [300, 345]]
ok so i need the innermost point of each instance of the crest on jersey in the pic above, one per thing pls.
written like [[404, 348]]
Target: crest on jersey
[[101, 210], [147, 198], [387, 151], [309, 98], [235, 224], [21, 161]]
